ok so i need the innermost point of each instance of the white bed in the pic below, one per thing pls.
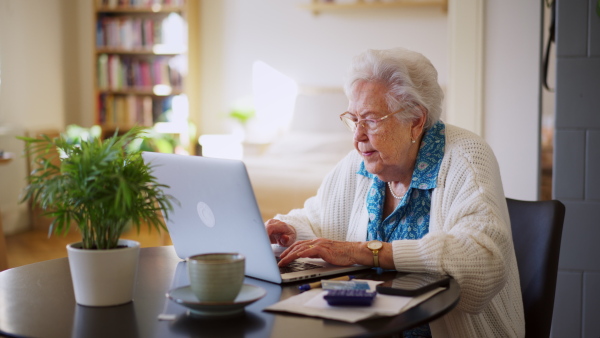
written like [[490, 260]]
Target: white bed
[[292, 167]]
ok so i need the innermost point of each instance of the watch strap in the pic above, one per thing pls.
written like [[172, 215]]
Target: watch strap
[[375, 250], [376, 258]]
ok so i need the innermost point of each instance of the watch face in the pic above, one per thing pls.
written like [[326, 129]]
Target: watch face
[[374, 245]]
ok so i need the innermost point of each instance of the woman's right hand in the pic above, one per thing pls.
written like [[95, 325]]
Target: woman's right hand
[[280, 232]]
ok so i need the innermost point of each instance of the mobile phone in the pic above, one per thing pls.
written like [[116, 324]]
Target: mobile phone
[[413, 284]]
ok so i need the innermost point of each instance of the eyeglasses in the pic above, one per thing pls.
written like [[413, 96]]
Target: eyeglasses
[[369, 125]]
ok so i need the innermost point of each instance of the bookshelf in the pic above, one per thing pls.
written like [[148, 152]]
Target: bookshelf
[[141, 59], [318, 6]]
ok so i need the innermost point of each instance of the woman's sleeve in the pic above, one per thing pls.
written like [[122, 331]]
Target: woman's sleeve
[[470, 238]]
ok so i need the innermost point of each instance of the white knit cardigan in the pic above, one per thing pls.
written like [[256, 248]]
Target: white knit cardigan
[[469, 234]]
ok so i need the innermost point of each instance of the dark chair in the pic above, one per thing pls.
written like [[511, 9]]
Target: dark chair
[[537, 230]]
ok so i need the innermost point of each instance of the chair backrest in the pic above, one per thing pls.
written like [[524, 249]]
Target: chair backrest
[[537, 230]]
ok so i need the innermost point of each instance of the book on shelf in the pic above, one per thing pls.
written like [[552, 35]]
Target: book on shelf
[[135, 33], [127, 110], [141, 62], [127, 32], [122, 72], [138, 3]]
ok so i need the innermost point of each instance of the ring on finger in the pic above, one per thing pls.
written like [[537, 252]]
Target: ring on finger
[[311, 246]]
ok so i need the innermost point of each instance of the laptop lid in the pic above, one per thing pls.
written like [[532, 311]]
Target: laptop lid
[[216, 211]]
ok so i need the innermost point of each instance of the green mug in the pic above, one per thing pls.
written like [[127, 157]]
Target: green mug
[[216, 277]]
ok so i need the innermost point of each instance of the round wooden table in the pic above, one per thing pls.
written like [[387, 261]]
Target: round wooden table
[[37, 301]]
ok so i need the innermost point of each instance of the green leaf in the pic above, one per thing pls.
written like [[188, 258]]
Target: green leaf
[[101, 186]]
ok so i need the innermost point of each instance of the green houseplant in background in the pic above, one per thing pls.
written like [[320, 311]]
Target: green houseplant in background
[[242, 114], [102, 187]]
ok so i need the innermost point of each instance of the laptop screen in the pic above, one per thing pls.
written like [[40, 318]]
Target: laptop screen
[[215, 211]]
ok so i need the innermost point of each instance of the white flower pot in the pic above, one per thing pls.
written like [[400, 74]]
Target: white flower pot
[[104, 277]]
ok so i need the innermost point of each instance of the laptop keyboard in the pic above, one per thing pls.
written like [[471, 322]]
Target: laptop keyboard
[[297, 266]]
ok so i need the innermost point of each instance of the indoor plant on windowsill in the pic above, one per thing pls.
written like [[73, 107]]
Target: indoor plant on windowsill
[[101, 187]]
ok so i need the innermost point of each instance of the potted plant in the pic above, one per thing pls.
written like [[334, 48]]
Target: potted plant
[[102, 187], [242, 114]]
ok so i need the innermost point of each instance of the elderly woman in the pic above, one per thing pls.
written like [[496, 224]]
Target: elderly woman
[[417, 195]]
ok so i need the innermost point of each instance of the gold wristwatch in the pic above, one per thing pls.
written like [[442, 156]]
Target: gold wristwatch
[[375, 246]]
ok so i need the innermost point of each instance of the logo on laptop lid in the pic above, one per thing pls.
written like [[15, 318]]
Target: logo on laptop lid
[[206, 215]]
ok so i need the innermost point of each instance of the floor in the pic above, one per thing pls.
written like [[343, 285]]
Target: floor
[[35, 245]]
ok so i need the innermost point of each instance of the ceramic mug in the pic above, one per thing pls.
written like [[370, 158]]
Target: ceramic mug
[[216, 277]]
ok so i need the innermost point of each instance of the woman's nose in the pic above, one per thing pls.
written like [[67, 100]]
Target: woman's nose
[[360, 133]]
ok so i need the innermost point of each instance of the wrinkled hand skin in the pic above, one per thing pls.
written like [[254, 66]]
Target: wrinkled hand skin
[[335, 252], [280, 232]]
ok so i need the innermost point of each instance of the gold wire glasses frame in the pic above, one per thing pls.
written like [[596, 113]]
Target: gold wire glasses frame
[[369, 125]]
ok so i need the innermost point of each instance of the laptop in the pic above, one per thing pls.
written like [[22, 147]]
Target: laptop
[[216, 211]]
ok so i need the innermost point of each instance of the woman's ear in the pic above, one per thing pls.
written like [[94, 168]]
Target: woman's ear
[[418, 124]]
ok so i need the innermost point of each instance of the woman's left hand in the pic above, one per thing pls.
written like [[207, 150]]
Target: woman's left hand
[[334, 252]]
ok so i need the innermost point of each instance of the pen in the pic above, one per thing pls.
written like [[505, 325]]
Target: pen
[[306, 287]]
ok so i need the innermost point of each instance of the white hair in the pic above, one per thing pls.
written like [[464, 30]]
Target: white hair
[[409, 76]]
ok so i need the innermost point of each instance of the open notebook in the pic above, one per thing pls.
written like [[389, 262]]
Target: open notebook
[[217, 212]]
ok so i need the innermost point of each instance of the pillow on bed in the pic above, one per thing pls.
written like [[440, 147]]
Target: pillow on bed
[[318, 110], [316, 131]]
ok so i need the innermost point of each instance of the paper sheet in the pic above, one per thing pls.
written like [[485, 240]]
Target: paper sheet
[[312, 303]]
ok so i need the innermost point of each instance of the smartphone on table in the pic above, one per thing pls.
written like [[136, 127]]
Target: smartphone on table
[[413, 284]]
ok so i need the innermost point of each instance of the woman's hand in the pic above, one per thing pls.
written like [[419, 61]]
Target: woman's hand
[[334, 252], [280, 232]]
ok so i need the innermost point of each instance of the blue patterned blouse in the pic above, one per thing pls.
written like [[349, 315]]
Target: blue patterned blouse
[[410, 220]]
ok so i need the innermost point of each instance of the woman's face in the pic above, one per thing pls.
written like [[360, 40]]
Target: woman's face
[[388, 151]]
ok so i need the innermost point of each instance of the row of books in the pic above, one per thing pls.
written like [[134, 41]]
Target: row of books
[[134, 32], [126, 72], [128, 110], [138, 3]]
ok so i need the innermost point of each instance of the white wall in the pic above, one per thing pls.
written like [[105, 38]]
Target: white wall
[[32, 91], [512, 92], [46, 69], [79, 34], [314, 50]]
